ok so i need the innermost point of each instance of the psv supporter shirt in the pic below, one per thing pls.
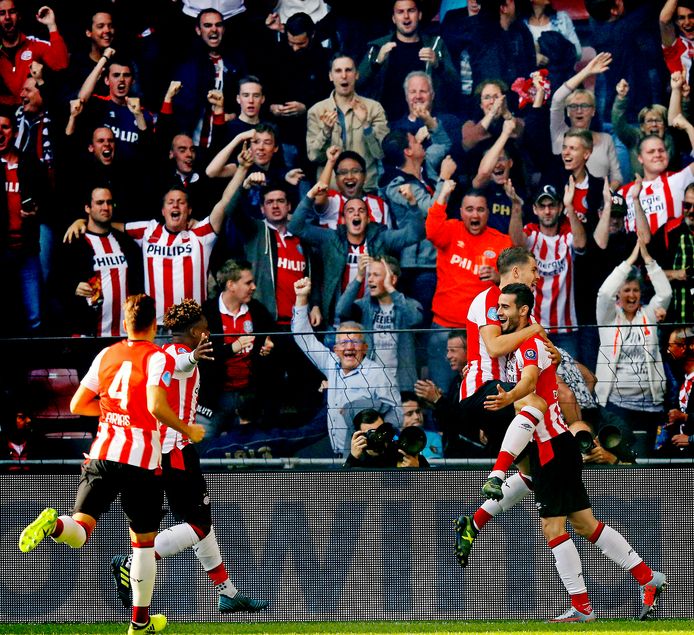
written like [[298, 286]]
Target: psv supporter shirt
[[175, 263], [459, 258], [128, 432]]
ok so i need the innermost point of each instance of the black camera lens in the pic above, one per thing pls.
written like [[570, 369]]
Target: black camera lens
[[585, 441], [412, 440]]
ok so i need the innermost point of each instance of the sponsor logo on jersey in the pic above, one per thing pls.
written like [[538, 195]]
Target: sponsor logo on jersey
[[169, 251], [108, 261]]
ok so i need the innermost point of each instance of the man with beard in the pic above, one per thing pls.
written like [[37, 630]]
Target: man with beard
[[680, 348], [467, 250], [553, 240], [556, 465], [341, 249]]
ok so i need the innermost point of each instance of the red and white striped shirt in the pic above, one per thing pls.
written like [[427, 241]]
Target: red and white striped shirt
[[554, 294], [111, 267], [481, 366], [686, 391], [128, 432], [661, 199], [678, 56], [182, 395], [176, 264], [332, 215], [532, 352]]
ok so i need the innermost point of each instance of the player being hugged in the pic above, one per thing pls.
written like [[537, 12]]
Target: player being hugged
[[556, 465]]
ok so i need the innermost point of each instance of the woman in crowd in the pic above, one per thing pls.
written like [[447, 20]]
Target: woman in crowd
[[631, 377]]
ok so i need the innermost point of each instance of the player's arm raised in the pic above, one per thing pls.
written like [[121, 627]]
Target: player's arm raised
[[498, 344]]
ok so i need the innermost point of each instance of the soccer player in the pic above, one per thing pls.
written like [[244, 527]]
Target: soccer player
[[556, 465], [126, 388], [487, 350], [184, 484]]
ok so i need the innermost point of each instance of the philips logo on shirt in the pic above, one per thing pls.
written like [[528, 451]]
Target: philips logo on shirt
[[169, 251], [109, 261]]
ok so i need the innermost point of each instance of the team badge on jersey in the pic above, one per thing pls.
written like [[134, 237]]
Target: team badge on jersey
[[530, 354], [26, 56], [166, 378], [248, 326], [181, 350], [492, 314]]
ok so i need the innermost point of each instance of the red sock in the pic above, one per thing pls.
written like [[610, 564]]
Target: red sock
[[140, 615], [581, 602], [218, 574], [481, 518], [642, 573], [503, 461]]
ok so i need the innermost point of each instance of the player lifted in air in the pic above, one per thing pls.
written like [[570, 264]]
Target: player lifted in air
[[556, 465]]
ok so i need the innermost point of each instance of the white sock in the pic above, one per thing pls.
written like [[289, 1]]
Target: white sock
[[616, 548], [174, 540], [72, 534], [568, 564], [208, 554], [143, 570], [520, 430], [515, 489]]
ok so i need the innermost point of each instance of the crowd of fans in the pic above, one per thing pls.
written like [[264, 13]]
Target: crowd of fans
[[355, 169]]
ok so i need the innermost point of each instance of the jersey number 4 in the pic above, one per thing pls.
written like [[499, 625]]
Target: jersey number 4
[[118, 390]]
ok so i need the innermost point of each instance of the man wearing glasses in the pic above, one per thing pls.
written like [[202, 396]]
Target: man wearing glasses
[[351, 376], [680, 424]]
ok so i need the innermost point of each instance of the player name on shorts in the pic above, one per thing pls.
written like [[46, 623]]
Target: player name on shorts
[[169, 251], [117, 419]]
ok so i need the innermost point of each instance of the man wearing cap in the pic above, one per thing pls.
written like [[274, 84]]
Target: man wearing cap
[[553, 240]]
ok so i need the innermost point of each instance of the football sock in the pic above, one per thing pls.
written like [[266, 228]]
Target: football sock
[[518, 434], [616, 548], [209, 556], [143, 570], [516, 487], [175, 539], [570, 571], [70, 532]]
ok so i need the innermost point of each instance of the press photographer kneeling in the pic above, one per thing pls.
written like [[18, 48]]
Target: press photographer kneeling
[[376, 443]]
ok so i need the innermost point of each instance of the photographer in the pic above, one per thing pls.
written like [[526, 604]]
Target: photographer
[[376, 443], [604, 448]]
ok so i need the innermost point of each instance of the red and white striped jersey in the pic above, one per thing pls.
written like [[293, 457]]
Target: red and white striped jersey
[[128, 432], [110, 266], [661, 199], [175, 264], [554, 294], [332, 215], [686, 392], [678, 56], [532, 352], [182, 395], [481, 367]]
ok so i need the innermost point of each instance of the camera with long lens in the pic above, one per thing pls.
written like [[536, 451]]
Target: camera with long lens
[[610, 438], [411, 440]]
